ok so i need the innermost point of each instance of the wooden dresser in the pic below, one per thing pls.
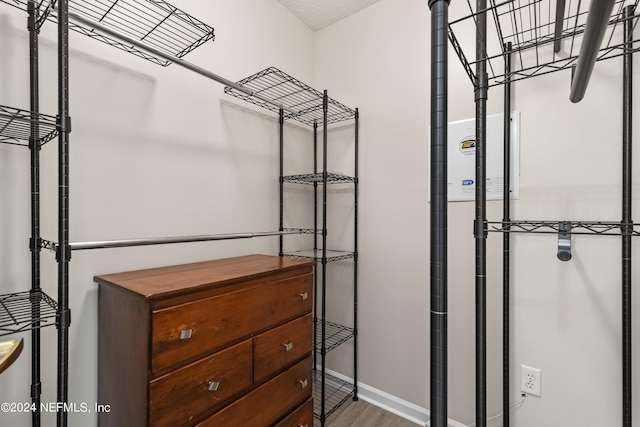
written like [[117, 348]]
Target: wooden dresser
[[221, 343]]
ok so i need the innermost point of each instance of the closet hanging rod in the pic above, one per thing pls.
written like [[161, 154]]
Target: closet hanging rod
[[597, 22], [108, 31], [105, 244]]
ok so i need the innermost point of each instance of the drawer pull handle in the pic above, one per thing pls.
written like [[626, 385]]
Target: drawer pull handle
[[303, 383], [288, 346], [304, 295], [213, 385], [303, 425], [185, 334]]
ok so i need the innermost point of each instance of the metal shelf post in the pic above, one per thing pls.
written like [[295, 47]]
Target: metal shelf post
[[34, 247], [438, 213]]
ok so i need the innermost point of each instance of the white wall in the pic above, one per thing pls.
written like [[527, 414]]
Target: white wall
[[566, 316], [154, 152]]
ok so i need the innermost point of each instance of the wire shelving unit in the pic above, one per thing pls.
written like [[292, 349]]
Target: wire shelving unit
[[292, 99]]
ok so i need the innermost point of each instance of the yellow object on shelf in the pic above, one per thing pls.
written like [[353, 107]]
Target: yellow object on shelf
[[9, 352]]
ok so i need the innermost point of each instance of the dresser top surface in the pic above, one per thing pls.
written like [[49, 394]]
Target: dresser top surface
[[155, 283]]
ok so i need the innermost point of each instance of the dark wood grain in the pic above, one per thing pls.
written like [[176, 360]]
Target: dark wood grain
[[226, 318], [301, 417], [123, 356], [182, 396], [168, 281], [270, 351], [268, 403]]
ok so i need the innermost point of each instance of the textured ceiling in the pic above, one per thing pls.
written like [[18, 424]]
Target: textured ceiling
[[317, 14]]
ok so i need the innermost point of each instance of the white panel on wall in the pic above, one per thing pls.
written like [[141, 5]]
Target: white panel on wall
[[461, 144]]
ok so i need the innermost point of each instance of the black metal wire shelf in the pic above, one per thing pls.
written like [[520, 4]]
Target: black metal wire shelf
[[24, 311], [337, 392], [300, 101], [576, 227], [312, 178], [16, 126], [530, 27], [335, 335], [155, 22], [316, 254]]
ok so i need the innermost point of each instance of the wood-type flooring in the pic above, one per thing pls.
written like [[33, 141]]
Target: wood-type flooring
[[363, 414]]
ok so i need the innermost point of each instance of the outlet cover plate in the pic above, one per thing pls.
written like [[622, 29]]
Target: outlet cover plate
[[530, 380]]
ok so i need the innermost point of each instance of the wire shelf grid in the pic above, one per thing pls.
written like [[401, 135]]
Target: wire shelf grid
[[25, 311], [332, 178], [300, 101], [316, 254], [16, 126], [337, 392], [335, 335], [576, 227], [530, 27], [156, 23]]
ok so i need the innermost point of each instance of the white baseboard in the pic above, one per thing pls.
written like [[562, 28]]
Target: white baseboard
[[393, 404]]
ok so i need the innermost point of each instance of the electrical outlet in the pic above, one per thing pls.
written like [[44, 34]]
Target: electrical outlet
[[530, 380]]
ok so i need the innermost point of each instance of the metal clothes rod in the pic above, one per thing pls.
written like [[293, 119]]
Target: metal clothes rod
[[105, 244], [597, 22], [106, 30]]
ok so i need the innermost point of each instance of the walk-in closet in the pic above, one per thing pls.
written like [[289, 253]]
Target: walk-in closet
[[278, 213]]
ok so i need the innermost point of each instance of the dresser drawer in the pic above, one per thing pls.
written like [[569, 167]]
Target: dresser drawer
[[282, 346], [270, 402], [191, 391], [184, 332], [301, 417]]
